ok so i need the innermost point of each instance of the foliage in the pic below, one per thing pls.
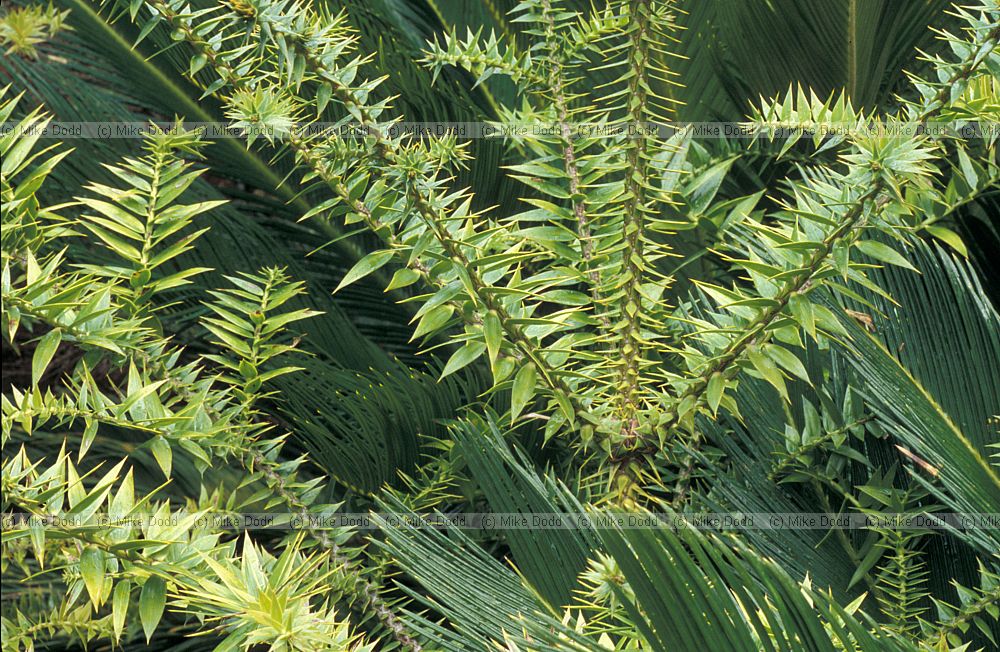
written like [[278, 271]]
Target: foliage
[[646, 322], [22, 28], [118, 552]]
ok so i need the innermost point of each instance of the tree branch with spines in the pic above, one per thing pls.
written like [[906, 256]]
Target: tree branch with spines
[[426, 196], [366, 590], [593, 29], [434, 218], [387, 152], [634, 207], [556, 61], [422, 200], [276, 478], [643, 199], [168, 401], [622, 184], [638, 182], [693, 397], [261, 456], [620, 260], [484, 59], [977, 607], [564, 36]]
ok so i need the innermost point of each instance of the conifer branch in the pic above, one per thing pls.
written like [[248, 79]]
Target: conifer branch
[[418, 189], [756, 332], [634, 207], [364, 588], [557, 74], [985, 604]]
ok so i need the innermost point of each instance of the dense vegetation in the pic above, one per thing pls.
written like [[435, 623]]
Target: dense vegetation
[[596, 318]]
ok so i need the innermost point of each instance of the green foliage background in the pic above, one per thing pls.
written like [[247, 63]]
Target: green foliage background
[[300, 325]]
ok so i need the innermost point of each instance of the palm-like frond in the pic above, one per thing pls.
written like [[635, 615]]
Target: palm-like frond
[[945, 332], [367, 426], [550, 559], [909, 390], [934, 399], [695, 592], [744, 49], [742, 483], [479, 596], [687, 590]]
